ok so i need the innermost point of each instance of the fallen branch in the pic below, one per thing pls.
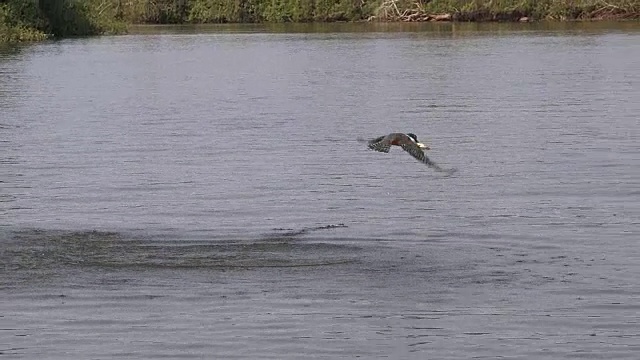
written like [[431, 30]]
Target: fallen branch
[[389, 11]]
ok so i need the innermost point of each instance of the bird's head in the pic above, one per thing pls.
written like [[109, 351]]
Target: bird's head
[[415, 139]]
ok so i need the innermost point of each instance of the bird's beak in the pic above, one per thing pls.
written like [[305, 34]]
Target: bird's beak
[[423, 146]]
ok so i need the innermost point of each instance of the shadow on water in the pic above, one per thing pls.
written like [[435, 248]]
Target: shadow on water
[[33, 254]]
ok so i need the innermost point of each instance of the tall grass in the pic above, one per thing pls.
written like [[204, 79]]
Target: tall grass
[[242, 11], [221, 11]]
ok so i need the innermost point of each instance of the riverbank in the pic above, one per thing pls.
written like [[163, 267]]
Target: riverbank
[[29, 20]]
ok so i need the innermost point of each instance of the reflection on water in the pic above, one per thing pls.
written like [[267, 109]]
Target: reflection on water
[[189, 191], [424, 28]]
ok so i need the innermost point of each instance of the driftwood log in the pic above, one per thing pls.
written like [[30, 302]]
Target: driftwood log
[[389, 11]]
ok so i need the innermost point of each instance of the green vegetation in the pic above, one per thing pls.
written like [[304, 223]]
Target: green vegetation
[[24, 20], [28, 20], [20, 21]]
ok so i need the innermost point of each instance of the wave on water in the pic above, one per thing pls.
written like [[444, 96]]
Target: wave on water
[[288, 233], [33, 254]]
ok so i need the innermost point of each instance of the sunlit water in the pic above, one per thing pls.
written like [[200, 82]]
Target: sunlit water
[[188, 194]]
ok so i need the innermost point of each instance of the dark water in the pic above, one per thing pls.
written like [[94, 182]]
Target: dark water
[[201, 194]]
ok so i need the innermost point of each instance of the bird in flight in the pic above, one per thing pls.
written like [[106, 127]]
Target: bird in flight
[[409, 143]]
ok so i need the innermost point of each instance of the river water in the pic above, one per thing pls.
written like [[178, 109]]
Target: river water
[[201, 193]]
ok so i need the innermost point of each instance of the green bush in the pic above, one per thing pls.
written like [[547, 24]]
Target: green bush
[[219, 11], [26, 20], [21, 21]]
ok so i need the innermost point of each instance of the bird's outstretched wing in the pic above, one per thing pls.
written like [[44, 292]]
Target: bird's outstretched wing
[[417, 153], [380, 144]]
